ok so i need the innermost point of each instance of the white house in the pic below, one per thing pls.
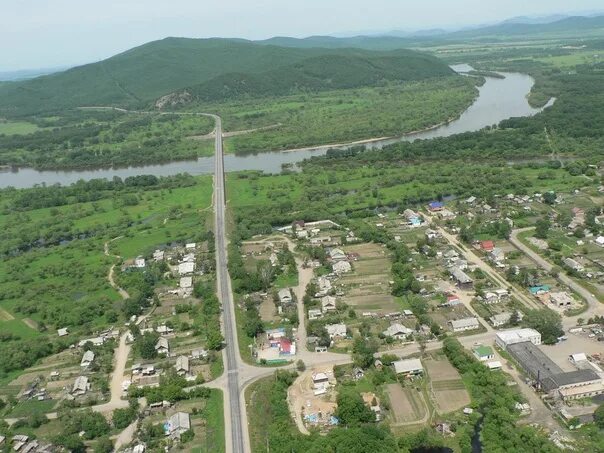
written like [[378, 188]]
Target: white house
[[158, 255], [177, 424], [600, 241], [139, 262], [186, 282], [461, 325], [408, 367], [497, 255], [63, 332], [342, 267], [574, 265], [336, 330], [186, 268], [398, 331], [285, 296], [328, 303]]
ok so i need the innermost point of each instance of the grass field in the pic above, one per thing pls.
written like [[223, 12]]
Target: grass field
[[213, 430], [27, 408], [17, 128]]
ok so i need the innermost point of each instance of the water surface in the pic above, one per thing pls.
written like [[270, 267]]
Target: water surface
[[498, 99]]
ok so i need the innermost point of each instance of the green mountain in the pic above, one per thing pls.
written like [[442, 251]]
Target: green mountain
[[143, 74], [337, 70]]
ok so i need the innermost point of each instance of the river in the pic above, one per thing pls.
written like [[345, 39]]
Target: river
[[498, 100]]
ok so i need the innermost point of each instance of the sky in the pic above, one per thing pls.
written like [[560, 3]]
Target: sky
[[55, 33]]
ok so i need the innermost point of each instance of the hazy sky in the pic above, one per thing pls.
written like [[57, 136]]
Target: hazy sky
[[49, 33]]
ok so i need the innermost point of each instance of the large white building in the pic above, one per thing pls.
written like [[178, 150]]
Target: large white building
[[507, 337]]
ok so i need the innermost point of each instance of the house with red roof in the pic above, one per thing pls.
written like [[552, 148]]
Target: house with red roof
[[487, 246]]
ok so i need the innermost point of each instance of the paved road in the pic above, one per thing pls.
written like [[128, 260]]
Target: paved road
[[594, 306], [237, 441]]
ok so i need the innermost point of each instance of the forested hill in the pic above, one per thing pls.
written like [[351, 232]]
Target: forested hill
[[337, 70], [143, 74]]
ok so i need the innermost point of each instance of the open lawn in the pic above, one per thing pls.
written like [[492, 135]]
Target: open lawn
[[17, 128]]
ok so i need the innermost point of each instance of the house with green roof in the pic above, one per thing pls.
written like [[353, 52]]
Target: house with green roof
[[483, 353]]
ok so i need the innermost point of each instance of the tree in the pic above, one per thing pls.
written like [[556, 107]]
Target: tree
[[547, 322], [104, 445], [123, 417], [351, 410], [599, 416], [542, 228], [145, 345], [214, 338], [363, 351], [300, 366]]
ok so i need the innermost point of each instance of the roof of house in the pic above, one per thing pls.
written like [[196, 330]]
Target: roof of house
[[182, 363], [186, 282], [436, 204], [81, 383], [62, 332], [284, 293], [483, 351], [460, 275], [569, 378], [162, 343], [407, 366], [500, 318], [88, 356], [397, 329], [336, 329], [487, 245], [186, 268], [578, 357], [180, 421], [319, 377], [327, 301]]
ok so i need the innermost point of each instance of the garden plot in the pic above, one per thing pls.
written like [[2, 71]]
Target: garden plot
[[446, 385], [367, 287], [407, 405]]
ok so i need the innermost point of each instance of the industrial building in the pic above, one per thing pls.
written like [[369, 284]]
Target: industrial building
[[508, 337], [551, 378]]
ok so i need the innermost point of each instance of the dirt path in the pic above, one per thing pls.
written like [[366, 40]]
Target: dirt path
[[123, 293], [117, 377], [471, 257]]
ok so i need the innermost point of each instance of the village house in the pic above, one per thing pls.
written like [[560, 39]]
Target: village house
[[186, 268], [432, 234], [600, 241], [186, 283], [182, 365], [398, 331], [501, 319], [342, 267], [80, 386], [158, 255], [190, 246], [573, 264], [162, 346], [483, 353], [285, 296], [435, 206], [139, 262], [408, 367], [337, 254], [336, 330], [274, 259], [95, 341], [63, 332], [487, 246], [490, 298], [414, 220], [324, 286], [314, 314], [178, 424], [199, 353], [461, 325], [328, 303], [497, 255], [164, 330], [462, 279], [87, 359]]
